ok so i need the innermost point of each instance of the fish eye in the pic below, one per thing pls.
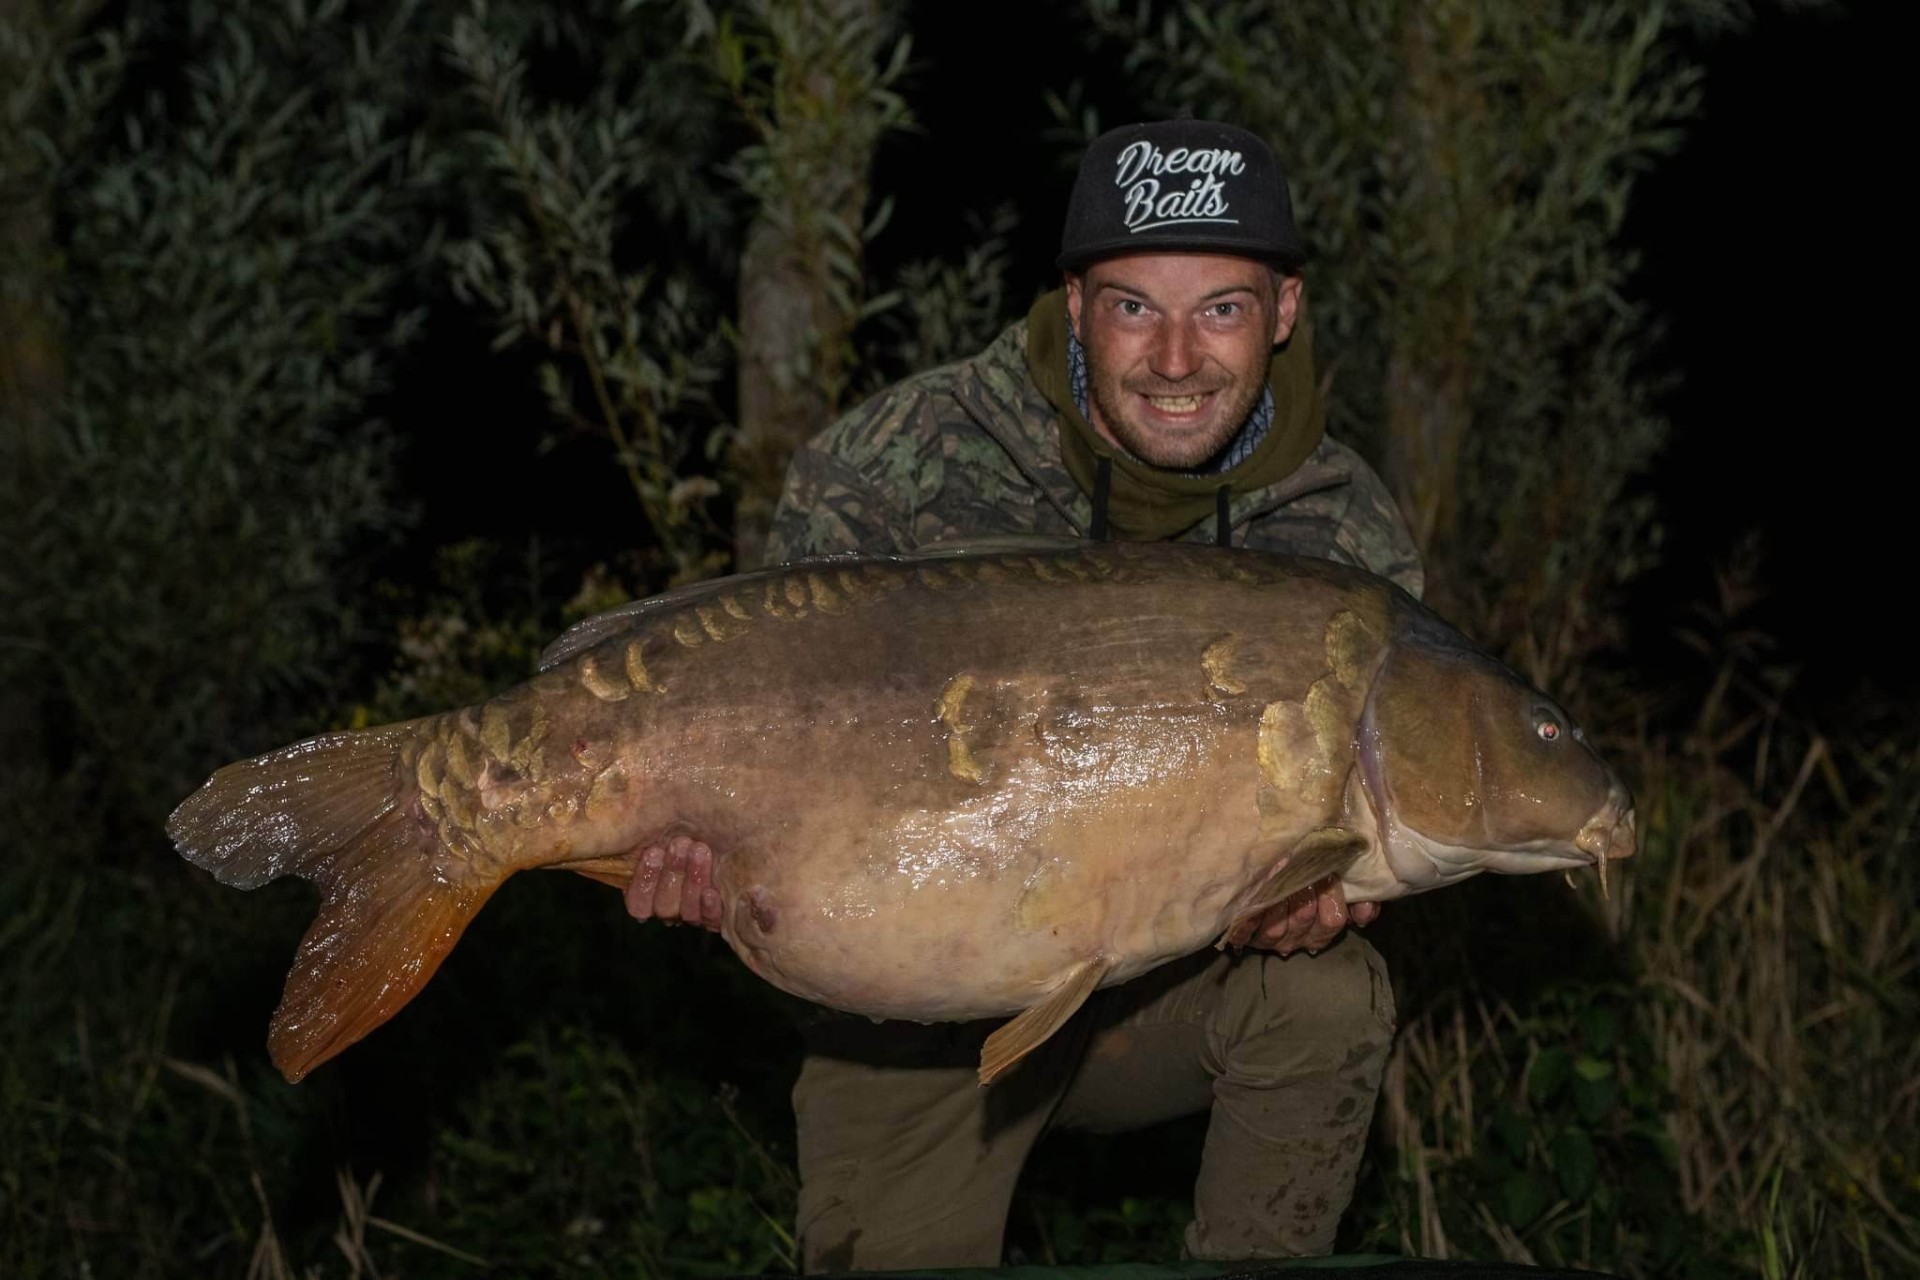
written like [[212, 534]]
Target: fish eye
[[1547, 727]]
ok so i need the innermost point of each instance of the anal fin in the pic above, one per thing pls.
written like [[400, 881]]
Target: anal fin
[[1320, 854], [1028, 1031]]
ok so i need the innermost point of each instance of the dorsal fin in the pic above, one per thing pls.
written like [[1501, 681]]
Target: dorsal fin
[[588, 632], [999, 544]]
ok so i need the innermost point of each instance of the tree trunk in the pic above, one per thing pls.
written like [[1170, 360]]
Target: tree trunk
[[29, 353], [31, 371], [800, 272], [789, 329], [1431, 363]]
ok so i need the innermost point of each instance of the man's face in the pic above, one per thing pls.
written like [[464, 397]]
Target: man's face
[[1177, 348]]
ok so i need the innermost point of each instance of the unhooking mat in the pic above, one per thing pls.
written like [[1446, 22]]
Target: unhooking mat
[[1349, 1267]]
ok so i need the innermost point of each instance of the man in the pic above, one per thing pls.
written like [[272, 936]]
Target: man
[[1167, 392]]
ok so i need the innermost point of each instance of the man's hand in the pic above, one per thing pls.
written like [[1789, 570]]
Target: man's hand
[[1310, 919], [671, 883]]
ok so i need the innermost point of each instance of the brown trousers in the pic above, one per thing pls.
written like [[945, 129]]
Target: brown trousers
[[905, 1161]]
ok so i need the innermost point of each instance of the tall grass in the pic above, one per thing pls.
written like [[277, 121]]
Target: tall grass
[[524, 1118], [1710, 1071], [1776, 925], [1742, 1097]]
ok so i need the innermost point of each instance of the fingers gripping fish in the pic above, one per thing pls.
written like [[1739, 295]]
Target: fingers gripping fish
[[937, 788]]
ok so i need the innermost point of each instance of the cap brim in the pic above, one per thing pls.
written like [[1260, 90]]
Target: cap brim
[[1085, 255]]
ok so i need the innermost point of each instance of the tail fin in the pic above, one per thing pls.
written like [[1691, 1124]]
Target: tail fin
[[331, 810]]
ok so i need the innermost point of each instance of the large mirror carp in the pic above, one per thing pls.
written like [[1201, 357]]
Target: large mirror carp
[[937, 787]]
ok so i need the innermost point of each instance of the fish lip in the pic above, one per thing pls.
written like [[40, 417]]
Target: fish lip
[[1629, 825], [1613, 832], [1557, 857]]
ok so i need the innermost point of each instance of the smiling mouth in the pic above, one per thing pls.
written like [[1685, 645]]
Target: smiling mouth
[[1178, 405]]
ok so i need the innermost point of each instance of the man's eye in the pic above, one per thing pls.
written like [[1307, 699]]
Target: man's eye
[[1226, 309], [1131, 307]]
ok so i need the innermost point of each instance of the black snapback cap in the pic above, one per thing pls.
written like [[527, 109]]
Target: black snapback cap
[[1177, 185]]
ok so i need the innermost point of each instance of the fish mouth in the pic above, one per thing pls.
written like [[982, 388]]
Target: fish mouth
[[1554, 855], [1611, 834]]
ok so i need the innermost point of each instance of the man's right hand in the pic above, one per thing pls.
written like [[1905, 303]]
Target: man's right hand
[[672, 882], [1311, 919]]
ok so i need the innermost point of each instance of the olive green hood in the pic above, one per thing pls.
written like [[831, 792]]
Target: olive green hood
[[1148, 503]]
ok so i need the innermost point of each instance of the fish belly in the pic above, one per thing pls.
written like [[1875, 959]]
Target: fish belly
[[976, 910], [932, 790], [936, 788]]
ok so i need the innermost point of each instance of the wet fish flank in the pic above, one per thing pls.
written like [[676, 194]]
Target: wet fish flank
[[1001, 798]]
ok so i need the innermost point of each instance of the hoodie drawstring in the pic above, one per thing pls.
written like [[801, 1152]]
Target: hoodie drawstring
[[1102, 486], [1103, 489]]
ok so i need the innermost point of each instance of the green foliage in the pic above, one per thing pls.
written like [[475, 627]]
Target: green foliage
[[1133, 1229], [946, 309], [211, 216], [633, 349], [814, 82], [575, 1157], [1537, 1136], [217, 206], [1461, 171], [813, 95], [1773, 916], [143, 1134], [221, 271], [477, 630], [116, 1156], [1738, 1099]]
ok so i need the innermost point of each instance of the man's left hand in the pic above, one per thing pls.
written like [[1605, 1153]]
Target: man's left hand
[[673, 882], [1311, 919]]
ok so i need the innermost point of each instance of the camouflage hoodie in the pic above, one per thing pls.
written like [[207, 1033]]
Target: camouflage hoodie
[[973, 449]]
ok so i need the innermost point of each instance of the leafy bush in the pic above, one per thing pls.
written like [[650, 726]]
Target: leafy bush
[[632, 350], [214, 217], [575, 1157], [218, 205], [233, 206]]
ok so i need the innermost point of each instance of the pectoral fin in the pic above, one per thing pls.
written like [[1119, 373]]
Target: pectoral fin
[[1319, 854], [615, 869], [1029, 1030]]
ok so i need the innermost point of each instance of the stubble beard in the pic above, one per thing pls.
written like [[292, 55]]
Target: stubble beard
[[1117, 405]]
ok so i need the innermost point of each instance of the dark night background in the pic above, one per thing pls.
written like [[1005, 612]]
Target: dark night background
[[1773, 249], [1769, 246]]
